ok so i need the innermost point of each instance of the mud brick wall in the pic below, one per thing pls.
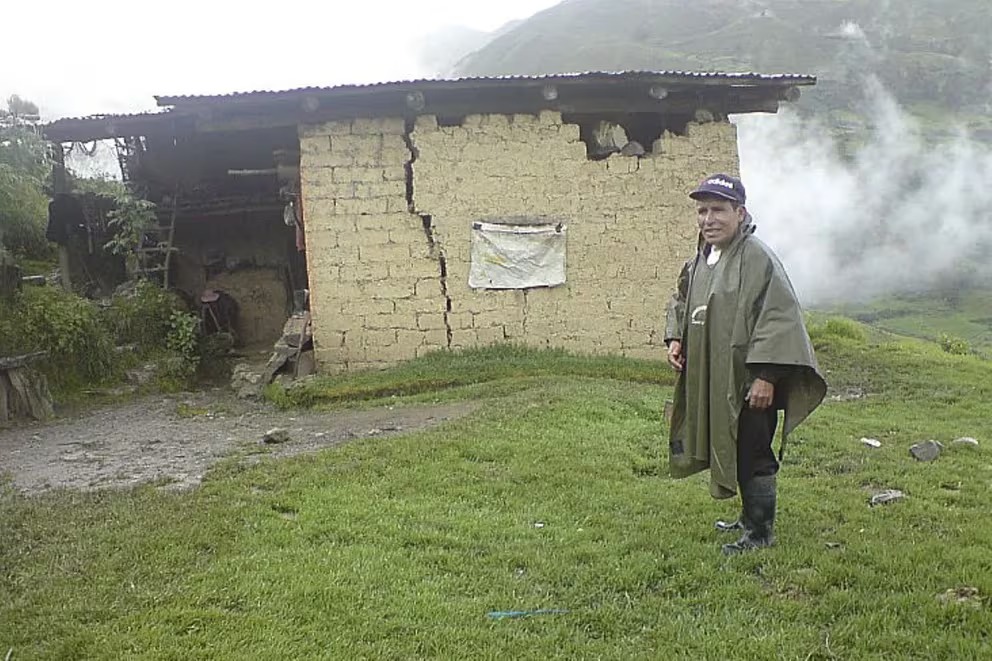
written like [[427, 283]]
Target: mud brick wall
[[389, 208]]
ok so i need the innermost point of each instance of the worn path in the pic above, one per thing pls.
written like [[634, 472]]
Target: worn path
[[174, 440]]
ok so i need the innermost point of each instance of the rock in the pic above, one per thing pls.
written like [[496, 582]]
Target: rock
[[249, 392], [886, 497], [276, 435], [965, 440], [633, 148], [848, 394], [704, 116], [926, 451], [872, 442], [141, 376], [246, 382], [963, 595]]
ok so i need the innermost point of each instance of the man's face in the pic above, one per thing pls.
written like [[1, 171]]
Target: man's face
[[718, 220]]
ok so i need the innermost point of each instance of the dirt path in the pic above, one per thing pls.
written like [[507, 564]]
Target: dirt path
[[176, 439]]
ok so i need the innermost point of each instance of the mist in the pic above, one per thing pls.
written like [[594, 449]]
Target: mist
[[900, 213]]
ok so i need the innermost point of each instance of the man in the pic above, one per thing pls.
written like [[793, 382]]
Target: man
[[736, 336]]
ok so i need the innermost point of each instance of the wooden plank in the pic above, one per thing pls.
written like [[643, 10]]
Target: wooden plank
[[11, 362], [31, 393], [5, 392]]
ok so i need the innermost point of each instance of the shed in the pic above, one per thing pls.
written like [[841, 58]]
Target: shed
[[549, 211]]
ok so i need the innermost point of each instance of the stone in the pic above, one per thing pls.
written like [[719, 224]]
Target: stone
[[926, 451], [886, 497], [633, 148], [276, 435], [871, 442], [964, 595], [848, 394], [246, 382], [141, 376], [965, 440]]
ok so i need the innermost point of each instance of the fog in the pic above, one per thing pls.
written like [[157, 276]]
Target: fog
[[898, 214]]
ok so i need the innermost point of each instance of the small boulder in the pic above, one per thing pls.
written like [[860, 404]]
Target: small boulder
[[633, 148], [246, 382], [141, 376], [926, 451], [276, 435], [886, 497]]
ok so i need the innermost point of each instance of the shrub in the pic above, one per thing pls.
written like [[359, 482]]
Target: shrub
[[66, 326], [837, 327], [954, 345], [142, 317], [183, 342]]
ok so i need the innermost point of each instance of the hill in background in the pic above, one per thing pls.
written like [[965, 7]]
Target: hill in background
[[934, 55]]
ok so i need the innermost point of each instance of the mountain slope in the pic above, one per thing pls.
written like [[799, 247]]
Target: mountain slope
[[928, 52]]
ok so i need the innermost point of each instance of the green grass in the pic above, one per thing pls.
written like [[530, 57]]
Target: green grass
[[442, 370], [966, 315], [399, 548]]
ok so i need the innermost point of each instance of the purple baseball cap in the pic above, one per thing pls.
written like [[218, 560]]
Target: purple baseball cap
[[721, 185]]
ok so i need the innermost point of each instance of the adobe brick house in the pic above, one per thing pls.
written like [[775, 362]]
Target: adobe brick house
[[547, 211]]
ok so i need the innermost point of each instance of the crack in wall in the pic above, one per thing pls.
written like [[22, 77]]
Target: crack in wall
[[428, 221]]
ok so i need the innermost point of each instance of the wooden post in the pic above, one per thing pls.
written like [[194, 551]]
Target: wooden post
[[23, 390], [60, 184]]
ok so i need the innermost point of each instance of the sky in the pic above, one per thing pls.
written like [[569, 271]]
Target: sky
[[77, 58]]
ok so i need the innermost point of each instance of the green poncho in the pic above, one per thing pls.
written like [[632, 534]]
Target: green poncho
[[742, 311]]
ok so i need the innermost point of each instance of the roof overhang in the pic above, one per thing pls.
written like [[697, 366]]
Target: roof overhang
[[668, 92]]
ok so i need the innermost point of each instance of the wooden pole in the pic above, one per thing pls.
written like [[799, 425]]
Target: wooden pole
[[60, 184]]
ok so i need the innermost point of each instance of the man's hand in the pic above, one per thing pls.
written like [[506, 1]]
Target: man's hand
[[675, 357], [761, 396]]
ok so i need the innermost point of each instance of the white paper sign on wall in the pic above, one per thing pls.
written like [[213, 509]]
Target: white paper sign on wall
[[517, 256]]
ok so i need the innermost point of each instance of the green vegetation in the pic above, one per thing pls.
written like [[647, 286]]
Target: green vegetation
[[183, 341], [553, 496], [932, 54], [128, 221], [80, 336], [68, 327], [964, 315], [24, 168], [444, 370]]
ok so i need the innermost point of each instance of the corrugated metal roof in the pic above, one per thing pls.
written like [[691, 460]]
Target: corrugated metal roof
[[112, 116], [103, 126], [479, 91], [689, 77]]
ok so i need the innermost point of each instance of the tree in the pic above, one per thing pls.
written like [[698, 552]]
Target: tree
[[24, 167]]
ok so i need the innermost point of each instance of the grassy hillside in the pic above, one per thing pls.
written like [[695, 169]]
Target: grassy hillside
[[929, 52], [554, 496], [964, 315]]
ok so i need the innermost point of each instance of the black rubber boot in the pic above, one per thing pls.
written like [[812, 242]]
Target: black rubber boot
[[758, 497]]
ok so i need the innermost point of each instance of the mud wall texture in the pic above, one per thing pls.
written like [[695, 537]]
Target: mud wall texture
[[389, 208]]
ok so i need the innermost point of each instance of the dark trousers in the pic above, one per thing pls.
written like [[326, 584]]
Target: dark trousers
[[755, 430]]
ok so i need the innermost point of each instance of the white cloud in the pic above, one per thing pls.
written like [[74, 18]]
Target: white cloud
[[852, 30], [899, 214], [82, 58]]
